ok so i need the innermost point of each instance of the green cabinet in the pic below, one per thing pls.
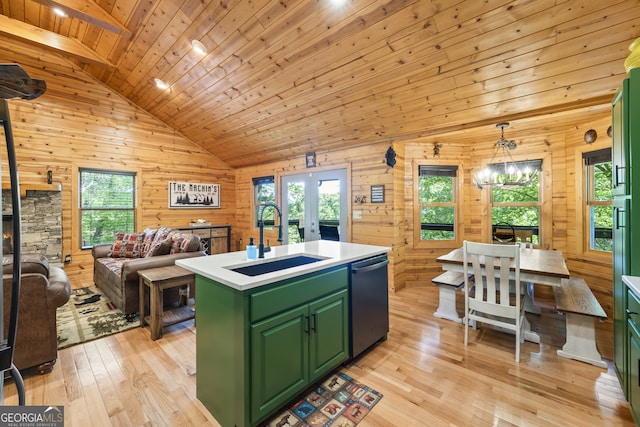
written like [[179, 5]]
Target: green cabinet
[[633, 343], [257, 349], [625, 154], [620, 263], [293, 349]]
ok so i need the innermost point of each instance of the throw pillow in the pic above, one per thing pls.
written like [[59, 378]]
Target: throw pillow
[[162, 233], [126, 245], [181, 242], [149, 236], [160, 248]]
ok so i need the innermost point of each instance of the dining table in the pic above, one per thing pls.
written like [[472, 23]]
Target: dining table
[[539, 266]]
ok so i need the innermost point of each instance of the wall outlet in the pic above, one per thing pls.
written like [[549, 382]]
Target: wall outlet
[[357, 214], [67, 259]]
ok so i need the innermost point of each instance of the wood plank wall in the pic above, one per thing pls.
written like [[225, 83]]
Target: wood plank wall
[[379, 225], [79, 122], [563, 183]]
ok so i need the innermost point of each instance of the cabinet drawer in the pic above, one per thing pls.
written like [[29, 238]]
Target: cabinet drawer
[[296, 291], [204, 234], [633, 309], [218, 232]]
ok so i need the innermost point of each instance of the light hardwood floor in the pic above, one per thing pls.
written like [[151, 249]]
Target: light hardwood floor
[[427, 376]]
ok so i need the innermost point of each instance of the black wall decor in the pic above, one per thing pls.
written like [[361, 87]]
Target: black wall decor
[[311, 159], [390, 156]]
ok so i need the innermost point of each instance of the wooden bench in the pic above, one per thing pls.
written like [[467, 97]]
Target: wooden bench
[[575, 300], [448, 283]]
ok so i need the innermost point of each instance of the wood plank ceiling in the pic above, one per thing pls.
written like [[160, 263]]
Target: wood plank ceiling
[[282, 77]]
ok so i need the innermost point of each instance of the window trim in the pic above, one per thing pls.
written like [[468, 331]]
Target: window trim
[[76, 235], [134, 207], [546, 199], [581, 246], [458, 215], [268, 179], [590, 158], [534, 164]]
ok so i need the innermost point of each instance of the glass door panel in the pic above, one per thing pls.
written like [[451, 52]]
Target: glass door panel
[[316, 206], [295, 208], [329, 209]]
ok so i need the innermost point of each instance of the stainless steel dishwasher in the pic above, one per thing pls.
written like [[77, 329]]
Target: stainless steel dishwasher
[[369, 303]]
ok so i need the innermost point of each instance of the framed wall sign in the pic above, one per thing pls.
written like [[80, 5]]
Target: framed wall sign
[[311, 159], [193, 195], [377, 194]]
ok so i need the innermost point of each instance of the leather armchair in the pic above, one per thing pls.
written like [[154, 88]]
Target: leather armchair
[[43, 289]]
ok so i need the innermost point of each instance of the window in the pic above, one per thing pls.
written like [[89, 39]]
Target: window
[[264, 190], [516, 212], [107, 205], [598, 209], [437, 198]]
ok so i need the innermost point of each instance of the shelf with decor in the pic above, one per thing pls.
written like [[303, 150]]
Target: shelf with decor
[[33, 187]]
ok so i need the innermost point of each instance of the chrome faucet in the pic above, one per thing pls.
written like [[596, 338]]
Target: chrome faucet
[[261, 248]]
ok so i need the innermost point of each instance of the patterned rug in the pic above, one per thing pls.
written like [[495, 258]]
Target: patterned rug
[[339, 401], [88, 315]]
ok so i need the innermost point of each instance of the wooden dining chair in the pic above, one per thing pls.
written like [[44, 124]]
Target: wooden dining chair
[[491, 302]]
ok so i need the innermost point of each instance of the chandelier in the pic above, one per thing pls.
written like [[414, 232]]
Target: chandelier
[[506, 174]]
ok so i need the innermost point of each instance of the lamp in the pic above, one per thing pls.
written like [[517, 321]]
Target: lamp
[[507, 173]]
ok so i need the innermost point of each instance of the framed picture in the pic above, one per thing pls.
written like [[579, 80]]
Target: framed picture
[[193, 195], [377, 194], [311, 159]]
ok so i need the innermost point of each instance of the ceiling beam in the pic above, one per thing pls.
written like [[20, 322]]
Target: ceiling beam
[[64, 45], [88, 11]]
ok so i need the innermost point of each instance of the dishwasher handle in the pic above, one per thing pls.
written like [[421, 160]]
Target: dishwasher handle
[[370, 267]]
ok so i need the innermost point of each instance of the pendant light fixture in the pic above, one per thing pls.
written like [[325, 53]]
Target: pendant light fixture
[[507, 173]]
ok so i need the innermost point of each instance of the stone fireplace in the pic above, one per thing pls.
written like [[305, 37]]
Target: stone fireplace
[[41, 222]]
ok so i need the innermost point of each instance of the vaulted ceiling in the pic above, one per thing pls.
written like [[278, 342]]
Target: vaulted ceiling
[[283, 77]]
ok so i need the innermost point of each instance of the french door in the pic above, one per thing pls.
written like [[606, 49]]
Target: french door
[[314, 205]]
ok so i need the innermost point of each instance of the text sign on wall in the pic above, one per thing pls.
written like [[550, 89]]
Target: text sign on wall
[[193, 195]]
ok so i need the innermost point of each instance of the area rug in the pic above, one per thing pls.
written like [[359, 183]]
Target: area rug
[[338, 401], [88, 315]]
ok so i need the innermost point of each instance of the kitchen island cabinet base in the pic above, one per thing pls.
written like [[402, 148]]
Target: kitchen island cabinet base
[[257, 349]]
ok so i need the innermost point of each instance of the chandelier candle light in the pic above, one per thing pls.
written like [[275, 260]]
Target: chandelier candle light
[[506, 174]]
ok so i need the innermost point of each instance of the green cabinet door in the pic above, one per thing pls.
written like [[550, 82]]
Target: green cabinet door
[[620, 141], [279, 360], [295, 348], [329, 343], [634, 370], [620, 267]]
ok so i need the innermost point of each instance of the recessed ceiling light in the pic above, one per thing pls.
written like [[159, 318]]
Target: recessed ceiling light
[[160, 84], [199, 47], [61, 13]]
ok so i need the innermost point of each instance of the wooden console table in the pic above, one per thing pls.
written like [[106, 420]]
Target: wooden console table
[[216, 239], [159, 279]]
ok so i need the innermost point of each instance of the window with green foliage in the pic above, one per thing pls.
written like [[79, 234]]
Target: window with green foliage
[[598, 210], [438, 200], [264, 190], [107, 205], [516, 212]]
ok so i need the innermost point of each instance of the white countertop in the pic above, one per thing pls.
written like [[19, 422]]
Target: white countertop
[[633, 282], [217, 267]]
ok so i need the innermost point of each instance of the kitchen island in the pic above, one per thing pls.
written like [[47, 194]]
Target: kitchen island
[[265, 335]]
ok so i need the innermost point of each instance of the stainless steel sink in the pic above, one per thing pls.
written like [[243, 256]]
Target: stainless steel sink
[[275, 265]]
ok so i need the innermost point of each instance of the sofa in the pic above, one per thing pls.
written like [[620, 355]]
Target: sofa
[[43, 288], [116, 265]]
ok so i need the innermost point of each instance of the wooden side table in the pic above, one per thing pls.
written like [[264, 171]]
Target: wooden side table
[[159, 279]]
